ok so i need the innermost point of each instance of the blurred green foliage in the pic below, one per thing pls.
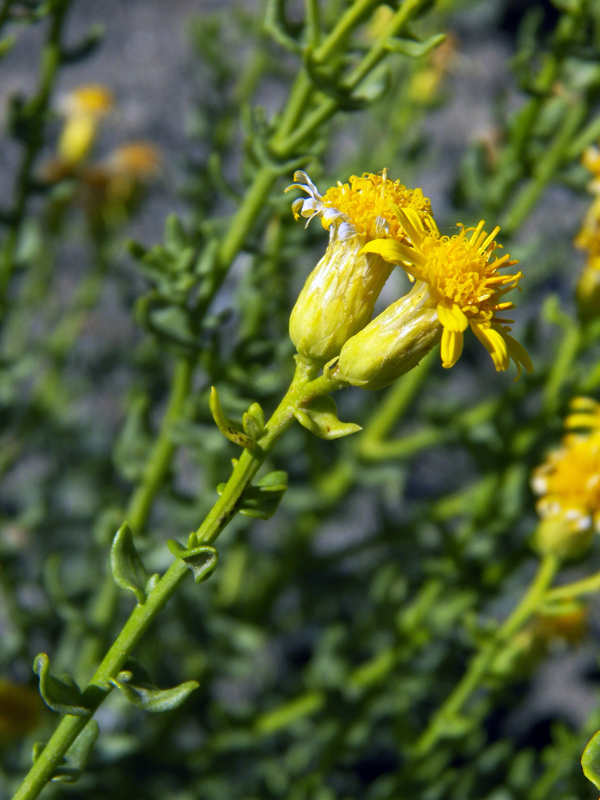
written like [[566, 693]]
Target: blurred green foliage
[[328, 637]]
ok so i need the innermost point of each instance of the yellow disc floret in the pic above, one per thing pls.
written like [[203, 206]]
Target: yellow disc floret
[[364, 208], [370, 203]]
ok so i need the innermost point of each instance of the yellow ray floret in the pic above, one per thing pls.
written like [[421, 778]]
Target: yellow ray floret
[[585, 415], [464, 281], [365, 206]]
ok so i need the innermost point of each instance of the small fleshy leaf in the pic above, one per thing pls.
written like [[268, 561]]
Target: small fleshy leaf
[[320, 417], [126, 565], [134, 672], [278, 478], [228, 427], [257, 412], [152, 699], [78, 755], [202, 560], [36, 751], [60, 694], [252, 426], [590, 760], [262, 500]]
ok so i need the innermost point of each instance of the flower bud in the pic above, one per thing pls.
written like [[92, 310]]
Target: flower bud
[[564, 536], [393, 343]]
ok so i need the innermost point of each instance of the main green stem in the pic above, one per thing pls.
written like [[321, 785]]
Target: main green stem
[[302, 389], [104, 603], [483, 660], [37, 108], [162, 452]]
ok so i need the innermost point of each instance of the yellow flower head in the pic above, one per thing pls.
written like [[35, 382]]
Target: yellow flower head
[[568, 482], [338, 297], [137, 160], [570, 625], [464, 282], [92, 100]]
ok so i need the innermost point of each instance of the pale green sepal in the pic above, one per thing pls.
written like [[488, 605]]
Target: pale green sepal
[[60, 694], [201, 560], [228, 427], [152, 699], [320, 417], [76, 757], [126, 566], [590, 760]]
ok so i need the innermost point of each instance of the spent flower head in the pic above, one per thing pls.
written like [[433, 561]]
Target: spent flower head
[[338, 297]]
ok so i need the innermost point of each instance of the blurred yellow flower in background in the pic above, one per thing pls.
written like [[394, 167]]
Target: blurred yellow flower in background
[[588, 239], [20, 710], [83, 110], [568, 483]]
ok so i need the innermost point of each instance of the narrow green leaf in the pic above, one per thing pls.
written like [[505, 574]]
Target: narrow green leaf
[[251, 426], [176, 238], [228, 427], [78, 755], [256, 411], [413, 48], [134, 672], [201, 560], [262, 500], [7, 44], [590, 760], [126, 565], [320, 417], [152, 699], [60, 694], [175, 323], [276, 480]]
